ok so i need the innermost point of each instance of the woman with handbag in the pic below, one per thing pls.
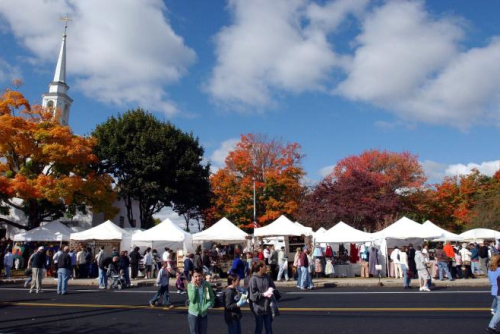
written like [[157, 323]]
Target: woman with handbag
[[262, 294]]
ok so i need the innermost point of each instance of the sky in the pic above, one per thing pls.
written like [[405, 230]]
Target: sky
[[338, 77]]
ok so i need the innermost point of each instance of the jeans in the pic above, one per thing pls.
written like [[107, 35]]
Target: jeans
[[103, 278], [197, 324], [303, 277], [7, 271], [406, 280], [62, 280], [443, 266], [474, 267], [126, 276], [282, 271], [299, 276], [262, 321], [162, 291], [494, 305], [496, 318], [234, 327]]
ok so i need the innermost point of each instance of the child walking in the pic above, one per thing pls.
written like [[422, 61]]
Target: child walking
[[162, 282]]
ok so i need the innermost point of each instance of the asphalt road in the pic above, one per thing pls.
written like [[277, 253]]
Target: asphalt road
[[337, 310]]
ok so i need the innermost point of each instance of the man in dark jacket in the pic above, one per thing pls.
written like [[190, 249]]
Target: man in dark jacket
[[135, 258], [103, 266], [63, 271], [483, 257], [37, 266]]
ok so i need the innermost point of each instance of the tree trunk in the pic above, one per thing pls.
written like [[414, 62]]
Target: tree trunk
[[130, 212], [33, 214]]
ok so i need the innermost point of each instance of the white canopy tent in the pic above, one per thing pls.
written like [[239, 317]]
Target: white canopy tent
[[53, 231], [223, 232], [280, 227], [480, 233], [406, 229], [341, 233], [320, 230], [105, 231], [445, 235], [127, 239], [166, 234]]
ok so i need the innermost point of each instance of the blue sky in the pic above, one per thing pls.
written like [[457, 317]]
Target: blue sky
[[337, 77]]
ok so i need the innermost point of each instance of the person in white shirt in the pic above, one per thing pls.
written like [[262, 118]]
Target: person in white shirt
[[266, 254], [403, 263], [283, 264], [395, 257], [166, 255]]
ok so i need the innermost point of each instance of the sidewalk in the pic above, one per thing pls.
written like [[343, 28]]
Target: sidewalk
[[319, 283]]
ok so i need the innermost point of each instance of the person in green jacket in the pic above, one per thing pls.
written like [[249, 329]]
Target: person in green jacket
[[201, 298]]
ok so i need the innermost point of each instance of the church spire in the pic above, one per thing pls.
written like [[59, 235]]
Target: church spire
[[60, 75], [57, 98]]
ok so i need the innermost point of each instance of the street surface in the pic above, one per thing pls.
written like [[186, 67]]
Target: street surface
[[329, 310]]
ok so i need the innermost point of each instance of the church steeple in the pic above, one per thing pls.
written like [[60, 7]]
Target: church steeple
[[57, 98]]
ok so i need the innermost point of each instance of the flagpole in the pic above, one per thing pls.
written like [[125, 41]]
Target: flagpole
[[254, 208]]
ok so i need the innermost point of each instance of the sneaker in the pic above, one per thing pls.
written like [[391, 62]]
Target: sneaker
[[169, 306], [101, 287], [31, 291], [183, 292], [151, 304], [491, 330], [426, 289], [39, 291], [178, 291], [492, 312], [420, 289]]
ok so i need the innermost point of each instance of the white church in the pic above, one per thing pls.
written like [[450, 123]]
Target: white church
[[58, 99]]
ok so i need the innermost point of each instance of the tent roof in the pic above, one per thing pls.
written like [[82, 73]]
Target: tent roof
[[406, 228], [53, 231], [342, 232], [307, 230], [105, 231], [280, 227], [480, 233], [320, 230], [445, 235], [222, 231], [165, 231]]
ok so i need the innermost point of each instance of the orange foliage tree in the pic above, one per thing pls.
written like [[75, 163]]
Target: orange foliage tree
[[276, 169], [46, 171]]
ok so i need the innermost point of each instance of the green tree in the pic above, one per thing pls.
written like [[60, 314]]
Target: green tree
[[152, 162]]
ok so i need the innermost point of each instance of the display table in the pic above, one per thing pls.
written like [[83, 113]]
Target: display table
[[343, 270]]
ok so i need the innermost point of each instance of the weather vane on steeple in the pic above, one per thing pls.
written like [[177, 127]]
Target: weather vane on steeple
[[65, 19]]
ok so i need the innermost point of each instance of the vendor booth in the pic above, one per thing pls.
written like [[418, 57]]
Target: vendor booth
[[166, 234], [481, 234], [346, 262], [107, 234], [224, 232], [50, 232], [401, 233]]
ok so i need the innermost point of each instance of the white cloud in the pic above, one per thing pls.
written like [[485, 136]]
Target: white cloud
[[487, 168], [178, 220], [219, 155], [325, 171], [119, 51], [267, 48], [436, 171]]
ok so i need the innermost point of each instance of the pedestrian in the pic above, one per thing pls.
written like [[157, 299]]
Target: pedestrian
[[423, 273], [81, 262], [474, 258], [166, 255], [29, 272], [148, 263], [395, 255], [162, 282], [207, 262], [73, 263], [55, 259], [198, 260], [124, 264], [266, 253], [98, 258], [157, 263], [233, 300], [466, 254], [411, 260], [283, 264], [458, 262], [103, 270], [63, 271], [135, 258], [298, 265], [188, 266], [49, 264], [403, 263], [37, 265], [273, 262], [260, 292], [238, 267], [201, 298], [8, 262], [494, 277], [305, 276], [483, 257], [442, 263]]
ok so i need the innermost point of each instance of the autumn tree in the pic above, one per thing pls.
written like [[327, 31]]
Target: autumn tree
[[154, 163], [274, 166], [363, 190], [46, 171]]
